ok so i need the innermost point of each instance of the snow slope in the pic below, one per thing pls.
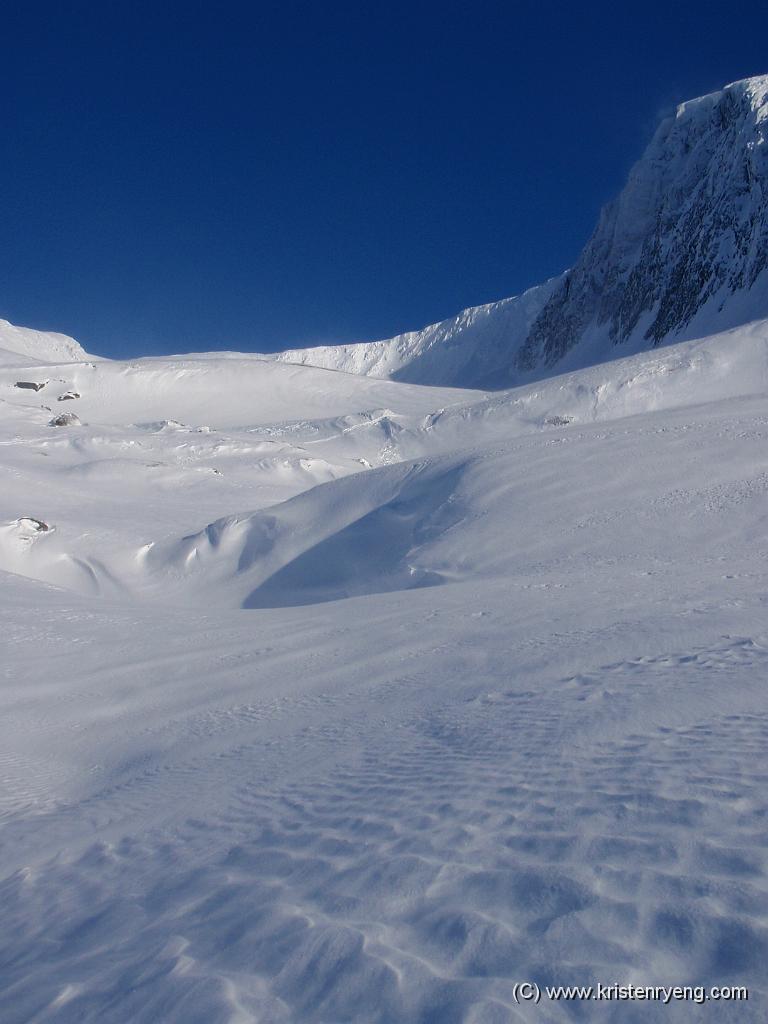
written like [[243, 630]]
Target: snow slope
[[680, 254], [332, 699], [165, 444], [20, 346], [471, 349]]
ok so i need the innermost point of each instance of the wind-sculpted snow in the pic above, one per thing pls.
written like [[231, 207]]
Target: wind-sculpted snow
[[257, 485], [331, 699], [184, 391], [348, 539]]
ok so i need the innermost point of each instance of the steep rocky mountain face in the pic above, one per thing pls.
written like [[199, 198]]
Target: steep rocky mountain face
[[681, 253], [687, 235]]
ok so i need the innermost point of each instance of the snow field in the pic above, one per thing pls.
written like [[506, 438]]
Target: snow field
[[333, 700], [445, 697]]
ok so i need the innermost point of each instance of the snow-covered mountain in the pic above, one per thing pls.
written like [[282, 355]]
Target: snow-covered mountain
[[681, 253], [333, 698]]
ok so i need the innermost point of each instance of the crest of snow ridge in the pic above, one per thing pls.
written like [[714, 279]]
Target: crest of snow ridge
[[689, 228], [25, 346]]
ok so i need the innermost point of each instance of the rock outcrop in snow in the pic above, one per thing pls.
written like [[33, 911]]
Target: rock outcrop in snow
[[681, 253]]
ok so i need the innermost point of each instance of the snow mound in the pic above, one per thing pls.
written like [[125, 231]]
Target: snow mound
[[23, 346], [350, 537], [32, 548]]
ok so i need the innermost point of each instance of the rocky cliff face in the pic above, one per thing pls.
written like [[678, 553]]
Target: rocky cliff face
[[681, 253], [688, 233]]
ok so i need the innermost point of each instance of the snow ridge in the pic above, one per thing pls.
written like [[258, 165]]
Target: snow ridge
[[681, 253], [23, 346], [471, 346]]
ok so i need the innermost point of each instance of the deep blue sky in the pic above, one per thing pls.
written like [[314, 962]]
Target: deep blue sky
[[181, 176]]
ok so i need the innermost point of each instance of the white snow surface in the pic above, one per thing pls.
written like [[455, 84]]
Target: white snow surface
[[22, 346], [331, 699], [475, 345]]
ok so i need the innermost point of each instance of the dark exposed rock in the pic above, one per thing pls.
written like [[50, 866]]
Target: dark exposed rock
[[681, 253], [65, 419], [37, 525], [689, 228], [68, 396], [31, 385]]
